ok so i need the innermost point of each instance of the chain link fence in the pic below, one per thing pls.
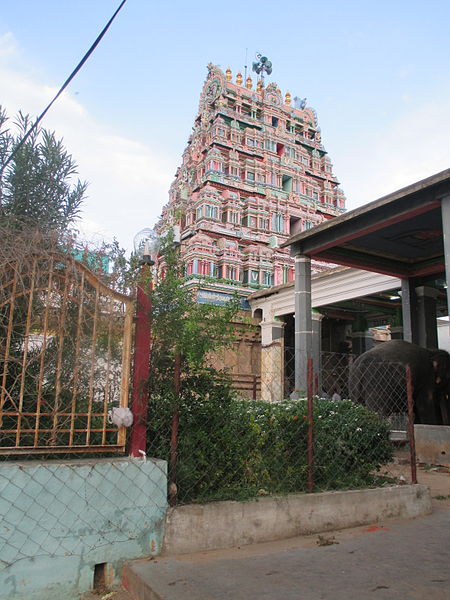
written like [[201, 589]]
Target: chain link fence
[[85, 512], [382, 388], [39, 518], [334, 373], [229, 447], [247, 384]]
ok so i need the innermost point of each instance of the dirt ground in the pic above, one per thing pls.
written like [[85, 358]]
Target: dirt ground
[[437, 478], [116, 594]]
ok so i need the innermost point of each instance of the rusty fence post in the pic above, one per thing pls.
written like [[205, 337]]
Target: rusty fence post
[[411, 438], [310, 447], [142, 339]]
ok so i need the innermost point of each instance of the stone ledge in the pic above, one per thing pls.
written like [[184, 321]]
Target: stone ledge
[[200, 527]]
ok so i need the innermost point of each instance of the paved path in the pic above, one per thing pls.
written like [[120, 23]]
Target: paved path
[[400, 560], [404, 560]]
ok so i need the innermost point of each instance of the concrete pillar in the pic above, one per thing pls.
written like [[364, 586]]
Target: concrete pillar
[[303, 321], [409, 309], [272, 361], [426, 317], [445, 209]]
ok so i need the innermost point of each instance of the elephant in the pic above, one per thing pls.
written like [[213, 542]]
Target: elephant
[[377, 380]]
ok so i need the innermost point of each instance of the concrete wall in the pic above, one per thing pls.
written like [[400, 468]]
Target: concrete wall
[[272, 376], [58, 519], [244, 355], [432, 444], [196, 528]]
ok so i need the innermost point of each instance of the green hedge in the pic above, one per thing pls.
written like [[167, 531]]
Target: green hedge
[[232, 448]]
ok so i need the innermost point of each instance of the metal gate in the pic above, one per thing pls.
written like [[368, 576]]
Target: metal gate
[[65, 344]]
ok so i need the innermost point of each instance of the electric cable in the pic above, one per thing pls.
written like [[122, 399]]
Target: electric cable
[[63, 87]]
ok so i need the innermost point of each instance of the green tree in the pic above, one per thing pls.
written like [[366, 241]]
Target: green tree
[[40, 200], [36, 188], [184, 333], [182, 326]]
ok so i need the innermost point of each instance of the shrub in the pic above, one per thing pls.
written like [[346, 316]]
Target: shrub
[[233, 448]]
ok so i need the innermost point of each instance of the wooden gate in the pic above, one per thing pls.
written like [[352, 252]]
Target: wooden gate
[[65, 343]]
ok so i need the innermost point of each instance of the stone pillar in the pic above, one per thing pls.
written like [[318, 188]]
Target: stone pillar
[[426, 317], [409, 310], [272, 361], [303, 321]]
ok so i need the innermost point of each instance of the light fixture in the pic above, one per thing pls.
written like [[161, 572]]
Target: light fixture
[[146, 246]]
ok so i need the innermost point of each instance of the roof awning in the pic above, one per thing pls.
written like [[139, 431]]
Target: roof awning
[[399, 235]]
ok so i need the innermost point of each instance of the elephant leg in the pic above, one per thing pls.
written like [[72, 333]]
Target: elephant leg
[[427, 409], [444, 406]]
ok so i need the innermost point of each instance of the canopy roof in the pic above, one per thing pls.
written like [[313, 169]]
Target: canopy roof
[[399, 235]]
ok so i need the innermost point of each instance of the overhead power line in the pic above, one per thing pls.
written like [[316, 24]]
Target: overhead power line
[[63, 87]]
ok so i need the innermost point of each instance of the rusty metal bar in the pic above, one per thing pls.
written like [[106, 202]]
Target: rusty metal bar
[[310, 417], [43, 349], [59, 358], [411, 437], [92, 372], [25, 352], [76, 366], [8, 345], [108, 370], [26, 450]]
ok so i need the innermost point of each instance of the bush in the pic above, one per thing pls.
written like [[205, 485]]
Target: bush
[[232, 449]]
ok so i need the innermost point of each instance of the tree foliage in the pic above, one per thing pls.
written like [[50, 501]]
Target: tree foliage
[[182, 326], [232, 448], [41, 199], [47, 342], [36, 188]]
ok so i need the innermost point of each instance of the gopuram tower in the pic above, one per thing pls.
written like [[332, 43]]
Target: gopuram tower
[[254, 172]]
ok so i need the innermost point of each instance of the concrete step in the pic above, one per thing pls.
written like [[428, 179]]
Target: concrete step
[[139, 581]]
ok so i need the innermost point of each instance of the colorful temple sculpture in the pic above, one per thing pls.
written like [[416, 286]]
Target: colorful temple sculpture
[[254, 172]]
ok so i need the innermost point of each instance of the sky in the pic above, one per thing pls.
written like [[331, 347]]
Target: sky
[[377, 73]]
